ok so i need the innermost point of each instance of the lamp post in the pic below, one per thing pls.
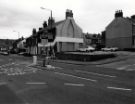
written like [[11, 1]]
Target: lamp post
[[48, 10], [46, 58]]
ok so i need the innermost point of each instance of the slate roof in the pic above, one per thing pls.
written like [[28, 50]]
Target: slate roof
[[56, 24]]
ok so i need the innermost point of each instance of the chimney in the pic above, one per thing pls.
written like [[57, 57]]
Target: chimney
[[69, 14], [118, 14], [133, 18]]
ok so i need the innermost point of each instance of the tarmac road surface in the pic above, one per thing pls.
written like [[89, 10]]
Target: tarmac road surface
[[63, 83]]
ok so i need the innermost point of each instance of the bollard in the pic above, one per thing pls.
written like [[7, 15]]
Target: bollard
[[47, 60], [44, 63], [34, 60]]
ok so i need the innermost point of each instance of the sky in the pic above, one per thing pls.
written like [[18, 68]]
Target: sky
[[19, 17]]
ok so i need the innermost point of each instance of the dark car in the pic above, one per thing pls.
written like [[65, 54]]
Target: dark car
[[24, 54], [4, 53]]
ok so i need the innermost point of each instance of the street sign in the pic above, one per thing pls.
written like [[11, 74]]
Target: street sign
[[44, 41]]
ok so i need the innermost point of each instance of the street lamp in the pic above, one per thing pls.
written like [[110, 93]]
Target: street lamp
[[50, 11], [46, 58], [47, 9]]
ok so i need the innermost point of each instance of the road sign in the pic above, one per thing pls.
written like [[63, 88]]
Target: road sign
[[44, 41]]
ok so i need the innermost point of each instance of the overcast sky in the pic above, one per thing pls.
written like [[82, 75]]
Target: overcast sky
[[19, 17]]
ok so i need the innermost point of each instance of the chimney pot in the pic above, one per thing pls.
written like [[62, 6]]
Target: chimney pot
[[69, 13]]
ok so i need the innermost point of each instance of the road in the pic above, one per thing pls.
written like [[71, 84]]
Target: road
[[22, 83]]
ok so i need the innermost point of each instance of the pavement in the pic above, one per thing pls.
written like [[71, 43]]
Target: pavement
[[62, 83]]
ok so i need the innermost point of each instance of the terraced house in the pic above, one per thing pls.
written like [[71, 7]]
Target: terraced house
[[121, 31], [61, 36]]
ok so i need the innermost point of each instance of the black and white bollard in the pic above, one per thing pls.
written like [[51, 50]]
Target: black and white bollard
[[46, 61], [34, 59]]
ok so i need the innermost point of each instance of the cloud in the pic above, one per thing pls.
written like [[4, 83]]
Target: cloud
[[12, 17], [91, 15], [19, 19]]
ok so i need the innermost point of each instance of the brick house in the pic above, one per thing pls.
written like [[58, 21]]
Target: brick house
[[121, 32], [62, 36]]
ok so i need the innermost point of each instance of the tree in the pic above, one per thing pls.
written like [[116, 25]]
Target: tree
[[34, 32], [45, 24]]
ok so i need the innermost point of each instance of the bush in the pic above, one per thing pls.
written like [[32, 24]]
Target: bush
[[129, 49]]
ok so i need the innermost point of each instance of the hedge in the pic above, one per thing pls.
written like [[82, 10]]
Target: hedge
[[84, 57], [129, 49]]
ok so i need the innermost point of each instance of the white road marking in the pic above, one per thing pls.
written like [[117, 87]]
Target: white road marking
[[103, 75], [31, 68], [30, 65], [125, 67], [18, 64], [116, 88], [6, 65], [75, 76], [36, 83], [129, 69], [74, 84], [121, 68]]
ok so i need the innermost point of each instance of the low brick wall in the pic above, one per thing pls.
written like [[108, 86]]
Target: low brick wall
[[84, 57]]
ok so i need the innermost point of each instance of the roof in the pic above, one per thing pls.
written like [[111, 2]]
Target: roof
[[59, 22], [56, 24], [119, 20]]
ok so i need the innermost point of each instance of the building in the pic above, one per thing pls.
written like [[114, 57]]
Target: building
[[31, 43], [6, 44], [67, 34], [60, 36], [121, 31], [18, 45], [21, 45], [94, 40]]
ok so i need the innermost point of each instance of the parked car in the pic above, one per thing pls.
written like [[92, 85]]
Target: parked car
[[81, 49], [105, 49], [88, 49], [110, 49], [4, 52], [114, 49], [21, 53], [24, 54]]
